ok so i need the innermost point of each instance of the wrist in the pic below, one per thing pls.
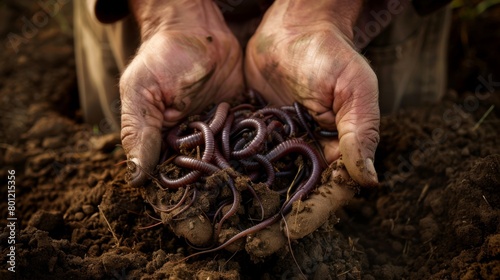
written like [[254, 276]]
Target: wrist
[[342, 13], [155, 16]]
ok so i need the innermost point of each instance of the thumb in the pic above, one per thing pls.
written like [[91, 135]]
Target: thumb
[[358, 120], [141, 123]]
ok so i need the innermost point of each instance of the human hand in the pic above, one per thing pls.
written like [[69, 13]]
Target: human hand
[[303, 51], [187, 61]]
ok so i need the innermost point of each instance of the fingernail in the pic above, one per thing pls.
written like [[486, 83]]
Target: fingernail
[[371, 169]]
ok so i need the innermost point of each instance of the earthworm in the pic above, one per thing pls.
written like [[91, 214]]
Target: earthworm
[[215, 126], [276, 136], [187, 179], [298, 145], [256, 196], [302, 120], [268, 167], [249, 165], [220, 161], [300, 114], [219, 117], [195, 139], [274, 129], [234, 206], [327, 133], [172, 137], [240, 144], [224, 164], [283, 173], [195, 195], [193, 176], [280, 114], [238, 109], [256, 97], [226, 131], [196, 164], [274, 125], [256, 144], [209, 140], [219, 210]]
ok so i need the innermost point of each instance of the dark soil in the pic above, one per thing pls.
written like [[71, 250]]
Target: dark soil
[[436, 214]]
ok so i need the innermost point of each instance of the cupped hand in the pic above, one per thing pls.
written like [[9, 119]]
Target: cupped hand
[[177, 72], [311, 59]]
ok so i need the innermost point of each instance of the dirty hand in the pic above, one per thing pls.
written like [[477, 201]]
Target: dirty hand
[[303, 51], [187, 60]]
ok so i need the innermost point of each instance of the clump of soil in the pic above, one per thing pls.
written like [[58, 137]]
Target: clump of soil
[[436, 214]]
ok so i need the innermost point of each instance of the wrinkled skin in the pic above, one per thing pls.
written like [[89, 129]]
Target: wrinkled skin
[[196, 61], [312, 61], [177, 72]]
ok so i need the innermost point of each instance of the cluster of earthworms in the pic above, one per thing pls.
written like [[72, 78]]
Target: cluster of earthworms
[[270, 147]]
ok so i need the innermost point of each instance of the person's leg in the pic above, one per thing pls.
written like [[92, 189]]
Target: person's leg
[[409, 58], [102, 52]]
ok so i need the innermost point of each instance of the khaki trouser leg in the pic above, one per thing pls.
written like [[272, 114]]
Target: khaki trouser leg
[[410, 59], [102, 52]]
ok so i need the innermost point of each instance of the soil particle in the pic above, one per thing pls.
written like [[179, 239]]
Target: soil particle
[[105, 143], [197, 230], [13, 156], [51, 222], [49, 126], [429, 229], [226, 234], [265, 242]]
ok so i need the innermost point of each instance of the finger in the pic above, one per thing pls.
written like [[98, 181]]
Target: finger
[[172, 116], [358, 120], [141, 123], [330, 148]]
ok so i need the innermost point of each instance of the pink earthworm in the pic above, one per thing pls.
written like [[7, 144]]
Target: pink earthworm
[[302, 120], [194, 175], [224, 164], [299, 109], [226, 132], [234, 205], [327, 133], [281, 114], [195, 195], [299, 146], [268, 167], [215, 125], [196, 164], [241, 108], [256, 144]]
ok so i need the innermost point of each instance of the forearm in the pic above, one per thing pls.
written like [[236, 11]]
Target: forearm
[[157, 15], [344, 13]]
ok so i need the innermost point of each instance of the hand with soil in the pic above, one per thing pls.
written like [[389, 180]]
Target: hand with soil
[[303, 51], [188, 59]]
